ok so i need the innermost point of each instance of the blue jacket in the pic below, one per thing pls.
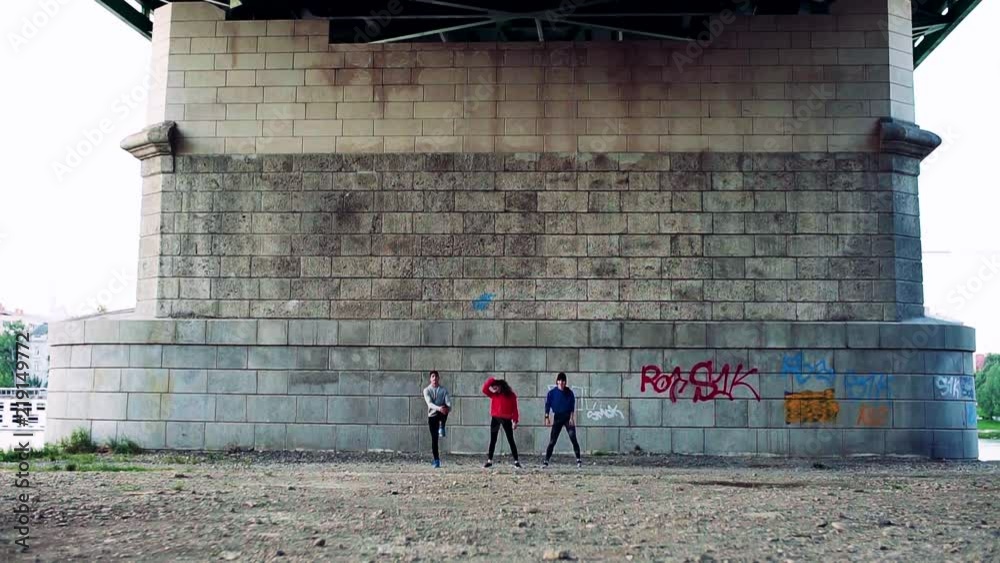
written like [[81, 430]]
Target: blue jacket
[[560, 402]]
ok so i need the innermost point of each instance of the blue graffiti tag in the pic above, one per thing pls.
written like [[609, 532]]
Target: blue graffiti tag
[[803, 371], [971, 416], [873, 386], [870, 386], [482, 302]]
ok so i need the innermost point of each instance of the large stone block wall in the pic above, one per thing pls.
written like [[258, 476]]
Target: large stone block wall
[[662, 236], [771, 388], [755, 84]]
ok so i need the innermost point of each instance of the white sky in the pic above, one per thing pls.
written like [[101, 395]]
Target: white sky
[[68, 234]]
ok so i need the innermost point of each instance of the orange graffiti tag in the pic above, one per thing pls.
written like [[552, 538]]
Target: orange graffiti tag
[[811, 406], [873, 415]]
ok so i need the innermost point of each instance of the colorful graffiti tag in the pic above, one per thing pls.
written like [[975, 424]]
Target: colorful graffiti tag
[[823, 406], [811, 406], [702, 381]]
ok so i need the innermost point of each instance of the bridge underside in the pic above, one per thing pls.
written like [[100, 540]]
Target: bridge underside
[[717, 240]]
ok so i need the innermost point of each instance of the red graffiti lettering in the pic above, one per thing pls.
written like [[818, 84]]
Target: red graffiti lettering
[[705, 383]]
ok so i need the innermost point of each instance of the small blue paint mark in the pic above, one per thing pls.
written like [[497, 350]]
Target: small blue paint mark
[[971, 417], [482, 302]]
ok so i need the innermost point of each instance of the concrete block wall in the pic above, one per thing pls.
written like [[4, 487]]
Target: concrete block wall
[[759, 388], [655, 236], [756, 84]]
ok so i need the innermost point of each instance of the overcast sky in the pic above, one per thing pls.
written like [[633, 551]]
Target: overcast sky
[[69, 196]]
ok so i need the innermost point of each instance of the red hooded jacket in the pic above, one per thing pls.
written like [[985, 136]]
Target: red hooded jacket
[[501, 406]]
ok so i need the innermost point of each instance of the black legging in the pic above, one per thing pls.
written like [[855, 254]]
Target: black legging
[[433, 422], [508, 429], [560, 420]]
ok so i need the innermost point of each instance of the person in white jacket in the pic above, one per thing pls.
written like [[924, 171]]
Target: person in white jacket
[[438, 405]]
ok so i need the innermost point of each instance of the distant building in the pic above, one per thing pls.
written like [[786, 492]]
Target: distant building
[[38, 327], [39, 354], [980, 361]]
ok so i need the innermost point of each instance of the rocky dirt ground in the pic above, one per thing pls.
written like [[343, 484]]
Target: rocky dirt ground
[[326, 507]]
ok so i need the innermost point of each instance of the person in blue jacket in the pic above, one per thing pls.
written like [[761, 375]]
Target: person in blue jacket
[[561, 401]]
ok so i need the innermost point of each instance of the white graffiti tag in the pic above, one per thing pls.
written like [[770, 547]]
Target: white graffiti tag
[[596, 412], [955, 387]]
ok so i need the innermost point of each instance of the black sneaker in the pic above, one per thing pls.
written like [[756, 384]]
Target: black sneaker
[[517, 465], [545, 464], [488, 464], [579, 463]]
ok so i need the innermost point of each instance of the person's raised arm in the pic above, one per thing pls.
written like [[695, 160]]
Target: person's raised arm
[[486, 386]]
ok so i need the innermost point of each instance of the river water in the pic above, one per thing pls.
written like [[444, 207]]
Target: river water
[[989, 450]]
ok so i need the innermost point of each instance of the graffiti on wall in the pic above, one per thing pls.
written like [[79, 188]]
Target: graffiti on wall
[[803, 371], [873, 415], [700, 383], [971, 416], [868, 387], [596, 412], [823, 406], [811, 406], [871, 387], [955, 387], [594, 409], [482, 302]]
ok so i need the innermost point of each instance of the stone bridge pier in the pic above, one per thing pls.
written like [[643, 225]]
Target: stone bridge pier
[[720, 246]]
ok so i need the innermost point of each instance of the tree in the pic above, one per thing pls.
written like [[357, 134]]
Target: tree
[[988, 388], [8, 349]]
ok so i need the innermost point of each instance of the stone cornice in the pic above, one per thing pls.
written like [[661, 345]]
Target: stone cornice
[[906, 139], [155, 140]]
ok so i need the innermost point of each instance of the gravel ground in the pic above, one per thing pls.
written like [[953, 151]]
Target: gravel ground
[[309, 507]]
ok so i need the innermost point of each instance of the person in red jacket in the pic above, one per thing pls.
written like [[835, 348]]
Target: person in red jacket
[[503, 410]]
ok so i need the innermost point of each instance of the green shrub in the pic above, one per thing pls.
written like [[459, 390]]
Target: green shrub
[[79, 442], [123, 446]]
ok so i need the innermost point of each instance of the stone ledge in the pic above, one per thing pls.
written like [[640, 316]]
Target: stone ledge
[[155, 140], [907, 139], [926, 335]]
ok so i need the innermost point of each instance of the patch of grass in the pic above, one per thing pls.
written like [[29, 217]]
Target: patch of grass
[[50, 451], [123, 446], [78, 442], [179, 459], [178, 487], [989, 429], [988, 424]]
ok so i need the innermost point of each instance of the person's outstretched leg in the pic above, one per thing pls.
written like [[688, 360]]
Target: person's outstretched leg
[[571, 430], [508, 429], [553, 438], [494, 430], [432, 424]]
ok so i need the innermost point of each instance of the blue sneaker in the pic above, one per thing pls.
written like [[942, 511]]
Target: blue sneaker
[[441, 432], [436, 463]]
